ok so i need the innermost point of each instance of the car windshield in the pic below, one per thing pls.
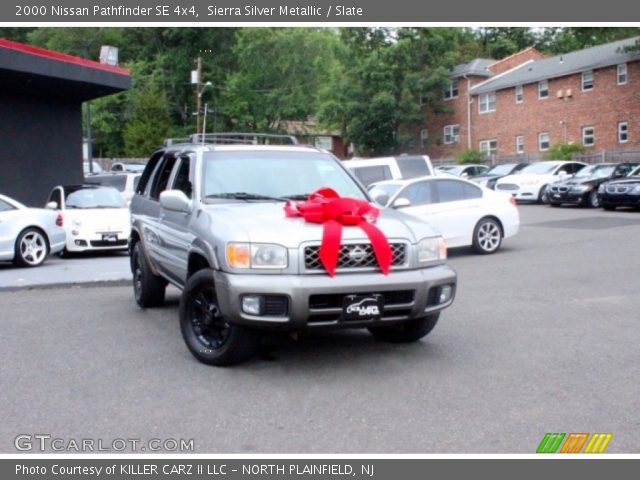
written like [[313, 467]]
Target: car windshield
[[384, 192], [274, 174], [101, 197], [596, 171], [539, 168], [501, 169]]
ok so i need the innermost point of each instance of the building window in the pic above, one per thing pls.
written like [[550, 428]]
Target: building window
[[452, 90], [622, 74], [543, 89], [623, 132], [588, 136], [519, 94], [543, 141], [587, 80], [487, 102], [489, 147], [424, 136], [520, 144], [451, 134]]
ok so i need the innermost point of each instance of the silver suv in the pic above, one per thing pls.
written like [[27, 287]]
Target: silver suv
[[210, 219]]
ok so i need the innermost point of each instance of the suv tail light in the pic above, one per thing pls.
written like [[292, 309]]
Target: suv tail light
[[59, 221]]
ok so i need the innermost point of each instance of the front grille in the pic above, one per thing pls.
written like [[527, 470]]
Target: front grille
[[276, 306], [617, 189], [359, 255], [507, 186], [102, 243], [334, 300]]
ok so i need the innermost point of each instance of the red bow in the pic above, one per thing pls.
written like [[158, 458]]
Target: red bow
[[327, 207]]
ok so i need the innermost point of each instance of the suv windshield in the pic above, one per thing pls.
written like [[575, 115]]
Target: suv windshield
[[596, 171], [277, 174]]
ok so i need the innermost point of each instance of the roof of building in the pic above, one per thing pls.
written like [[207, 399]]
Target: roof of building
[[477, 66], [562, 65]]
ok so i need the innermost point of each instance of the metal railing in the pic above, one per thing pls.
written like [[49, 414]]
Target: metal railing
[[235, 138]]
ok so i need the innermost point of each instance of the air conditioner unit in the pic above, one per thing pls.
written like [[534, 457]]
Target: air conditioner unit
[[569, 92], [560, 93]]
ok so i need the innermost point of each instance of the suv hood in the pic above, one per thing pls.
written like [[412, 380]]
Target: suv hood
[[265, 222]]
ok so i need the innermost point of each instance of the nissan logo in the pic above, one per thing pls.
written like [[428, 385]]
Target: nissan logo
[[357, 254]]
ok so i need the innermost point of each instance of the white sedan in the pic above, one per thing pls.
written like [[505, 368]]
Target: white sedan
[[28, 235], [464, 213], [530, 184], [94, 217]]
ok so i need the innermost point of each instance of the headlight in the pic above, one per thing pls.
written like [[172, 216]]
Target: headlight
[[256, 255], [636, 190], [582, 188], [431, 249]]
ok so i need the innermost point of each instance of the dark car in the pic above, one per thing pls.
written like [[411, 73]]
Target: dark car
[[582, 188], [488, 179], [621, 193]]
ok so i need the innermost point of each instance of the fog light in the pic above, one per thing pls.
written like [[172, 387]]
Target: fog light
[[252, 304], [445, 294]]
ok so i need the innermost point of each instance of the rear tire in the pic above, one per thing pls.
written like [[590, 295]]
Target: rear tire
[[32, 248], [487, 236], [406, 332], [208, 335], [148, 288]]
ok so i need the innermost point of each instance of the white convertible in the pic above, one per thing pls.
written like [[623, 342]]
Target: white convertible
[[464, 213]]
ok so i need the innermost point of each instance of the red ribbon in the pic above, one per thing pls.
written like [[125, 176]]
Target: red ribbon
[[327, 207]]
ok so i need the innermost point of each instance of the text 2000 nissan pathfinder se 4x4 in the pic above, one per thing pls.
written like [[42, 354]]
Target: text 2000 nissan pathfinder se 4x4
[[260, 236]]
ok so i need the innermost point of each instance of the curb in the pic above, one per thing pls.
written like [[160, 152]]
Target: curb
[[51, 286]]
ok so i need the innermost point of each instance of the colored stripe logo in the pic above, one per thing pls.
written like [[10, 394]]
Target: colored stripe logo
[[573, 443]]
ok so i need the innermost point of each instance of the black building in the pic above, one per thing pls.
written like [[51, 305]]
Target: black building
[[41, 95]]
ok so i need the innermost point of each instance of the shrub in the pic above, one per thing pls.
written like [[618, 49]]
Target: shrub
[[471, 156], [564, 151]]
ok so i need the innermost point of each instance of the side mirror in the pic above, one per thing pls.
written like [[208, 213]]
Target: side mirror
[[175, 200], [51, 206], [617, 174], [401, 203], [381, 199], [464, 175], [562, 173]]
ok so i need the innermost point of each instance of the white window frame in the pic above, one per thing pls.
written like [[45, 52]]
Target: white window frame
[[485, 147], [621, 132], [541, 89], [453, 134], [519, 94], [452, 90], [548, 141], [622, 71], [484, 100], [586, 136], [584, 83], [519, 144]]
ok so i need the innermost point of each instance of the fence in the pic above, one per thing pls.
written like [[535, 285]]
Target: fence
[[614, 156]]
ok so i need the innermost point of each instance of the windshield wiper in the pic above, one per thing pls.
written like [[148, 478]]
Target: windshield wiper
[[245, 196], [297, 196]]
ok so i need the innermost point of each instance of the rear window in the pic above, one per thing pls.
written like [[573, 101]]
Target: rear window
[[369, 175], [411, 167], [117, 181]]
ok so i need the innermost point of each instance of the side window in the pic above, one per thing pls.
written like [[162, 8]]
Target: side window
[[4, 206], [450, 191], [418, 193], [471, 191], [181, 181], [369, 175], [161, 180], [56, 197], [146, 175], [411, 167]]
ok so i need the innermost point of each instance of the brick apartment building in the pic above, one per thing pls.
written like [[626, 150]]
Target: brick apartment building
[[527, 102]]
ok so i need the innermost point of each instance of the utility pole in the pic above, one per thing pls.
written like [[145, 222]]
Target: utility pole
[[198, 94]]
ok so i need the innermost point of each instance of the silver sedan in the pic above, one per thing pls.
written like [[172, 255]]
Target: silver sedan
[[28, 235]]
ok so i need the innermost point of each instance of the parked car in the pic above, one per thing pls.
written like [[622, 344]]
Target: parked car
[[624, 192], [127, 167], [87, 171], [530, 184], [464, 213], [371, 170], [582, 188], [211, 220], [94, 217], [464, 171], [490, 177], [124, 182], [28, 235]]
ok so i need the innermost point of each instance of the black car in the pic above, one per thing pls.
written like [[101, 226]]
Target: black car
[[621, 193], [582, 188], [489, 178]]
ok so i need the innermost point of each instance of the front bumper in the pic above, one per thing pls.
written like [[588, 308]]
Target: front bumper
[[90, 241], [619, 200], [568, 197], [315, 300]]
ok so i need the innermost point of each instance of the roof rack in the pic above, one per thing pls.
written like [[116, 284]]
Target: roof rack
[[235, 138]]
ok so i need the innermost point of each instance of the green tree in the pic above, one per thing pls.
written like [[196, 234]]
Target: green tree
[[564, 151]]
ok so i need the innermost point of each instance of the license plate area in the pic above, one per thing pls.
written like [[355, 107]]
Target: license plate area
[[110, 237], [362, 307]]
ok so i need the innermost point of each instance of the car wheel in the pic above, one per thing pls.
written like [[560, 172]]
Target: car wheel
[[148, 288], [206, 331], [32, 247], [487, 236], [543, 195], [405, 332], [594, 201]]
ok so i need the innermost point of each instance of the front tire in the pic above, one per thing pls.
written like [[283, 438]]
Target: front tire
[[32, 248], [543, 195], [148, 288], [487, 236], [406, 332], [208, 335]]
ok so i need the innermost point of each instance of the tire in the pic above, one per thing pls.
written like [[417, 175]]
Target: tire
[[487, 236], [592, 200], [608, 207], [32, 248], [148, 288], [543, 196], [208, 335], [406, 332]]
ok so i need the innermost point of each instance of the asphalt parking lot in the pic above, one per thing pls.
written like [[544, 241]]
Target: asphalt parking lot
[[543, 337]]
